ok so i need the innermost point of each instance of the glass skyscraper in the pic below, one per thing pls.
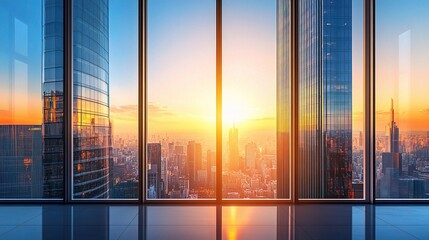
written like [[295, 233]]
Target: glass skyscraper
[[92, 142], [91, 118], [53, 100], [325, 99]]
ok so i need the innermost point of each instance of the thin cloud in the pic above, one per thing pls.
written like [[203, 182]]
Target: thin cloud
[[262, 119], [124, 109], [157, 110]]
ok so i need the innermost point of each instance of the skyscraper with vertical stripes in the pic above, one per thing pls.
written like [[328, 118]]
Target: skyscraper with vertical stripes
[[325, 99]]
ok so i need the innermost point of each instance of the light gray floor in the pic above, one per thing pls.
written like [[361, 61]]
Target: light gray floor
[[331, 221]]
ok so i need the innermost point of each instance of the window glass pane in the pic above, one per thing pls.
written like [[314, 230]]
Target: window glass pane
[[105, 99], [402, 137], [330, 100], [251, 167], [31, 99], [181, 99]]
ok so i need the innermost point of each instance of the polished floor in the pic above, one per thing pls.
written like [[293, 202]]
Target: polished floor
[[96, 221]]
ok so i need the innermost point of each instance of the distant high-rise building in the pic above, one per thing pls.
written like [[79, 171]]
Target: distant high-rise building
[[195, 158], [392, 157], [250, 154], [392, 164], [325, 99], [360, 140], [211, 161], [179, 150], [233, 157], [21, 161], [154, 185]]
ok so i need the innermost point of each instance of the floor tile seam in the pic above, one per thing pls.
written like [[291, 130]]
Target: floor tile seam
[[10, 230], [135, 216], [123, 231], [409, 233], [401, 230]]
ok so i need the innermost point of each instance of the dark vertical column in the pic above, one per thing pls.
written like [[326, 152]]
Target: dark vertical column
[[284, 222], [142, 98], [369, 99], [370, 223], [142, 222], [218, 100], [68, 101], [218, 222], [294, 100]]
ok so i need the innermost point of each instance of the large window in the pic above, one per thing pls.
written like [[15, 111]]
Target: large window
[[181, 100], [105, 99], [402, 137], [31, 100], [283, 117], [251, 167]]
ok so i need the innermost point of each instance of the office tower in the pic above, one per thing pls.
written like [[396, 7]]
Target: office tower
[[154, 184], [392, 158], [92, 143], [360, 140], [325, 99], [195, 158], [394, 131], [171, 149], [391, 186], [20, 161], [211, 161], [250, 155], [125, 189], [233, 149], [53, 100]]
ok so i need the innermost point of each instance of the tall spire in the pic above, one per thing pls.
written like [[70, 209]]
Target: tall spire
[[392, 111]]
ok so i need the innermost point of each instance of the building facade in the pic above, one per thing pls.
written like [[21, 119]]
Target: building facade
[[20, 161], [325, 99], [92, 142]]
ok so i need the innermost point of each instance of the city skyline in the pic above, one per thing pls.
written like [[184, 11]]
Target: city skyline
[[181, 106]]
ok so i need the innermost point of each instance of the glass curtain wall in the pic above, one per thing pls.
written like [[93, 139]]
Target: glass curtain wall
[[31, 100], [330, 162], [402, 132], [105, 99]]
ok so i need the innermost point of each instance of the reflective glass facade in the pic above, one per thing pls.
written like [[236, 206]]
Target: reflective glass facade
[[92, 136], [53, 100], [325, 99]]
